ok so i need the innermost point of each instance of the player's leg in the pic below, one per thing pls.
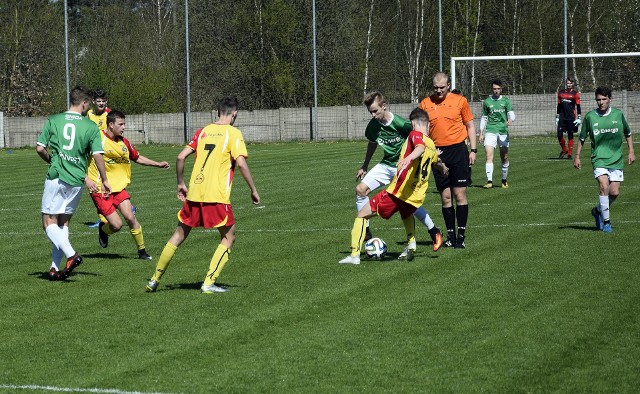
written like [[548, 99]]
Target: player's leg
[[489, 148], [443, 185], [219, 259], [135, 229], [179, 235], [504, 159], [603, 199], [112, 223], [436, 234], [561, 141], [379, 175], [359, 230]]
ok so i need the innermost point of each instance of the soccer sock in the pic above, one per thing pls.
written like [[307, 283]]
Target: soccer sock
[[60, 238], [164, 260], [106, 228], [423, 217], [462, 214], [357, 236], [410, 228], [449, 215], [361, 201], [488, 168], [604, 208], [136, 233], [219, 259], [570, 149], [56, 252], [562, 144], [505, 171]]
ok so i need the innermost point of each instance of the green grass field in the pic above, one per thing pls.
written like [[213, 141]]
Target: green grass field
[[539, 301]]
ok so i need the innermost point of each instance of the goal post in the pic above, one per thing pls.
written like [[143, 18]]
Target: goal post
[[531, 83]]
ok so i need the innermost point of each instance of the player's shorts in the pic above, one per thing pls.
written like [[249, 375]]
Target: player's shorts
[[456, 157], [385, 205], [379, 175], [107, 205], [613, 174], [567, 125], [206, 214], [493, 139], [59, 197]]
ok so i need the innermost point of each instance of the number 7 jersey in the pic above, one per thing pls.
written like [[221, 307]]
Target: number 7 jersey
[[410, 184], [217, 147]]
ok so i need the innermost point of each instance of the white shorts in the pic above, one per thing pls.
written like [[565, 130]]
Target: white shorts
[[379, 175], [60, 198], [614, 175], [493, 139]]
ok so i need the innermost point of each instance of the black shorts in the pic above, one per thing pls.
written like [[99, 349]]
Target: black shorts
[[567, 125], [456, 157]]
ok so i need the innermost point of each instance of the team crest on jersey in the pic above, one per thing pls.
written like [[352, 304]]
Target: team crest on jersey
[[124, 149]]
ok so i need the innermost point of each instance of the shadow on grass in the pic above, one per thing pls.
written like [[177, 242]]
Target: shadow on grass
[[107, 256], [189, 286], [576, 227], [45, 275]]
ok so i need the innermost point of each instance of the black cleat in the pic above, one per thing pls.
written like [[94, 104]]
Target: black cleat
[[103, 238], [143, 255]]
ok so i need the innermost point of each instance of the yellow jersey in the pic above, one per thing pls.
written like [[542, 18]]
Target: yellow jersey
[[118, 155]]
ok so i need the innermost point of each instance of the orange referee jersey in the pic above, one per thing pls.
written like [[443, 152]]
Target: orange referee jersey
[[447, 118]]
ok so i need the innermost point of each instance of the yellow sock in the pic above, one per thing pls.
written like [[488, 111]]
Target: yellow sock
[[136, 233], [164, 260], [107, 229], [410, 227], [357, 235], [102, 218], [219, 259]]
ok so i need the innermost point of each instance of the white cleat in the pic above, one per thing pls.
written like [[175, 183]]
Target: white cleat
[[212, 289], [350, 260], [408, 252]]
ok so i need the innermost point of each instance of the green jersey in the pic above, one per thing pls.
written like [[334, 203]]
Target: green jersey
[[607, 133], [390, 137], [71, 138], [496, 111]]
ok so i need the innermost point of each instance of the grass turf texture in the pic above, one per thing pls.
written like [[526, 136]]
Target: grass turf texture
[[539, 300]]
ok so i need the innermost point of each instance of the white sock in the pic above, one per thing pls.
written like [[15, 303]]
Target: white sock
[[488, 168], [604, 207], [424, 218], [361, 201], [60, 238], [505, 170]]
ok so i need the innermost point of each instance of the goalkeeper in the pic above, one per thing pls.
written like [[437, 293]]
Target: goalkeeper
[[568, 117]]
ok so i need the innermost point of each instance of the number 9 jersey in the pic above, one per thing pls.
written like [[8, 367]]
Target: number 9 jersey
[[217, 147]]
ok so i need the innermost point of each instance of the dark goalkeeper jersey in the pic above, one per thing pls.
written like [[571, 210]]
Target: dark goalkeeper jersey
[[568, 104]]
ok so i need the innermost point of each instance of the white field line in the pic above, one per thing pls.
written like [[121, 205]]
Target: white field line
[[72, 390]]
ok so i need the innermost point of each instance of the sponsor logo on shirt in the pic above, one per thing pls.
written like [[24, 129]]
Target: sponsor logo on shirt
[[66, 157], [382, 141], [604, 131]]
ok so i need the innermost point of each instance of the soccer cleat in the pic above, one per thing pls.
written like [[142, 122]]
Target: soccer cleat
[[505, 185], [562, 155], [569, 156], [596, 215], [368, 235], [151, 286], [212, 289], [436, 240], [607, 228], [350, 260], [54, 275], [72, 263], [488, 185], [143, 255], [449, 243], [103, 238], [408, 252], [460, 243]]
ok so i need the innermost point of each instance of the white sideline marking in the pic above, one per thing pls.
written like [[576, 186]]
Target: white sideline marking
[[73, 390]]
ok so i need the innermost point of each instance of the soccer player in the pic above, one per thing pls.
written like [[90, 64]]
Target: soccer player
[[568, 115], [450, 124], [389, 131], [407, 190], [219, 149], [99, 114], [606, 128], [70, 139], [118, 155], [497, 117]]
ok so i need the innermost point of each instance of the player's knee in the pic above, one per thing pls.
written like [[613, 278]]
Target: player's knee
[[362, 190]]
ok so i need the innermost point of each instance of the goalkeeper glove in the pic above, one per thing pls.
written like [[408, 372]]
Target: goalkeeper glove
[[577, 122], [557, 119]]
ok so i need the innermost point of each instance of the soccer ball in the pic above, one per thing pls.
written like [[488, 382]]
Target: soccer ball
[[375, 248]]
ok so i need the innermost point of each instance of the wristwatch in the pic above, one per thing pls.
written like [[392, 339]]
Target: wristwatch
[[474, 150]]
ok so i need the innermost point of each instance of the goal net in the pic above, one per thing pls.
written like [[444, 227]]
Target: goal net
[[531, 83]]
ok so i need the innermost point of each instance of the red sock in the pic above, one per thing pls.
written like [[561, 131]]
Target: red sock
[[563, 145], [570, 147]]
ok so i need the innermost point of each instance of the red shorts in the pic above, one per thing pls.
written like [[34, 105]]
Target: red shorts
[[385, 205], [206, 214], [107, 205]]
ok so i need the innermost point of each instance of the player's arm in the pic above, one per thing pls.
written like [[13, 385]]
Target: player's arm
[[243, 166], [471, 132], [581, 139], [439, 165], [43, 153], [182, 188], [106, 188], [511, 117], [406, 161], [362, 171], [145, 161], [632, 155], [483, 126]]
